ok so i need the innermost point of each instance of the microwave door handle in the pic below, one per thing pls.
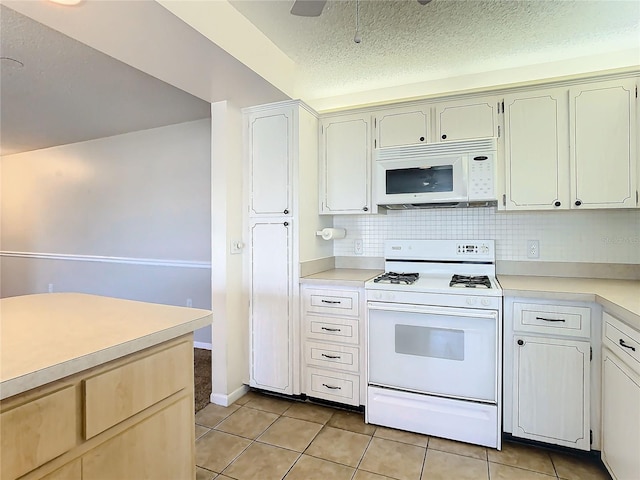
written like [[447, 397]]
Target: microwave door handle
[[397, 307]]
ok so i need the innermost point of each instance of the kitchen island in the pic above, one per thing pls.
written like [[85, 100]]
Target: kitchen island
[[96, 387]]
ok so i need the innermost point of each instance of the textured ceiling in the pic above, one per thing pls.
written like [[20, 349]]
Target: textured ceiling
[[404, 42], [67, 92]]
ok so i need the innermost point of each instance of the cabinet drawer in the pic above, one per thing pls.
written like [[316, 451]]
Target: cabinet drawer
[[337, 387], [38, 431], [332, 356], [623, 341], [333, 302], [135, 386], [343, 330], [568, 320]]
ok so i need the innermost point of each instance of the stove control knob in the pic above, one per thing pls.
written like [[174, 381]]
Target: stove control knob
[[471, 301], [485, 302], [377, 295], [390, 296]]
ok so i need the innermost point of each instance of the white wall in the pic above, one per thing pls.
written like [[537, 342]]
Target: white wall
[[127, 216], [230, 353], [596, 236]]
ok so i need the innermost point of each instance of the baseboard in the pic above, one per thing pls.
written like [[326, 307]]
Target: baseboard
[[203, 345], [226, 400]]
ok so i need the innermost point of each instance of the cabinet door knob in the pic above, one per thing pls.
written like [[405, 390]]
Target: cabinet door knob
[[557, 203], [286, 224], [444, 137], [286, 212], [422, 139], [578, 203], [366, 209], [520, 342]]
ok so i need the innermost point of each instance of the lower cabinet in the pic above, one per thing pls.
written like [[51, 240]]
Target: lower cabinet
[[620, 400], [131, 418], [551, 391], [333, 354], [549, 382]]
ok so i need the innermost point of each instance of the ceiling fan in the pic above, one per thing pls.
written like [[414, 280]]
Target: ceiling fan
[[313, 8]]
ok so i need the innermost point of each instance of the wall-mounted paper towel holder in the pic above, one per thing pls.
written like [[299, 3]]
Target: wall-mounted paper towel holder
[[331, 233]]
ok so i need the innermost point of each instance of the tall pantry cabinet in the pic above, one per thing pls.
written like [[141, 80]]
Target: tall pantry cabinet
[[281, 192]]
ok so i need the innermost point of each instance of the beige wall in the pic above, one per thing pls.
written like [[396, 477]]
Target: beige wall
[[127, 216]]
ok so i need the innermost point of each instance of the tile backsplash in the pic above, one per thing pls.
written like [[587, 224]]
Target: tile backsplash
[[597, 236]]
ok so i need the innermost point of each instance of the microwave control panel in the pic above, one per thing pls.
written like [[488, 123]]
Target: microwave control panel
[[482, 177]]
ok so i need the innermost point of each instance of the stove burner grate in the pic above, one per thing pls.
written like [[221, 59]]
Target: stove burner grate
[[470, 281], [397, 278]]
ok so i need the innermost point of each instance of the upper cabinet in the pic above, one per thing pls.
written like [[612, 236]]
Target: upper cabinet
[[270, 170], [537, 150], [402, 126], [603, 140], [345, 165], [467, 119], [572, 147]]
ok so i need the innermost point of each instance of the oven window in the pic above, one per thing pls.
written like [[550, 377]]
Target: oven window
[[430, 342], [420, 180]]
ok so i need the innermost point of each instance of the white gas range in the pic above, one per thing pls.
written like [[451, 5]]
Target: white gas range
[[434, 323]]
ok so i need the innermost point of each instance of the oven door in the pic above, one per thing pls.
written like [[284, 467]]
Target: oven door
[[451, 352], [421, 180]]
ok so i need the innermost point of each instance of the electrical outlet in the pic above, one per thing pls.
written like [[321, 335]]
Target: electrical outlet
[[358, 247], [189, 302], [533, 249], [51, 288]]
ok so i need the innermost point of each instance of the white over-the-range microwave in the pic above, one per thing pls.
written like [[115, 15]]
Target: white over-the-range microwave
[[452, 174]]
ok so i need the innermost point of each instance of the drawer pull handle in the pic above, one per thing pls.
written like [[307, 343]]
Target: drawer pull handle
[[331, 329], [622, 344], [332, 357], [331, 387], [333, 302], [551, 319]]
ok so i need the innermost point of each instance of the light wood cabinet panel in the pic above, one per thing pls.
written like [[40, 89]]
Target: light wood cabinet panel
[[270, 147], [35, 432], [271, 305], [345, 166], [467, 119], [551, 391], [71, 471], [537, 150], [402, 127], [134, 387], [603, 139], [159, 447]]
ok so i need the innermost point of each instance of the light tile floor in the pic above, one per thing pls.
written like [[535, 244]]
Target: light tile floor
[[262, 437]]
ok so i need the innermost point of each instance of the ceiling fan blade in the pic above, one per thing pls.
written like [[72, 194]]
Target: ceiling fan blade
[[308, 8]]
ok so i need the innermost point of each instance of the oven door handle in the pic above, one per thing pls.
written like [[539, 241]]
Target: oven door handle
[[425, 309]]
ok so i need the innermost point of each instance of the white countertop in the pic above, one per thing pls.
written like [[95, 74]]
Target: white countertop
[[46, 337], [342, 276], [621, 298]]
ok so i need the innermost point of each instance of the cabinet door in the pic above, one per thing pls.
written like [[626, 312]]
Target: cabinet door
[[466, 120], [160, 446], [537, 150], [271, 305], [402, 126], [551, 391], [345, 167], [270, 163], [620, 418], [603, 144]]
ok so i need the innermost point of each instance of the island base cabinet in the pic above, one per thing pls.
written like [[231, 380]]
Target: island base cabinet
[[44, 430], [156, 448], [620, 419]]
